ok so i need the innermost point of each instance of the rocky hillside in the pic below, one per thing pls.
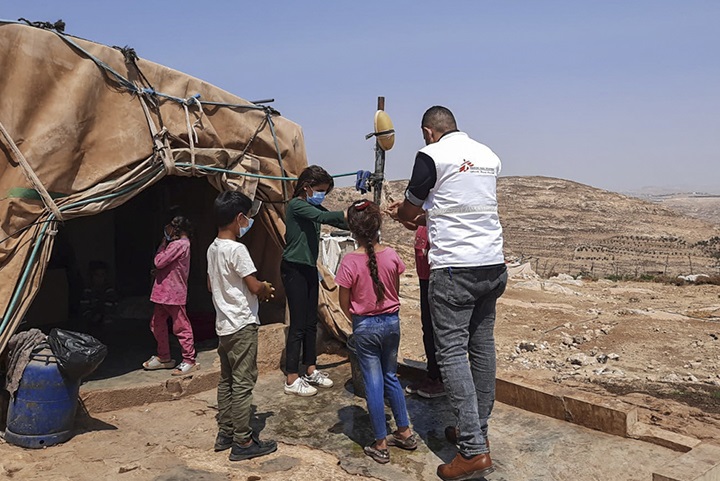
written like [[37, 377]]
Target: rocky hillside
[[561, 226], [702, 206]]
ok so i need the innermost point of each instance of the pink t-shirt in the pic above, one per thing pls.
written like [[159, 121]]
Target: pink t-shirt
[[354, 274], [172, 262]]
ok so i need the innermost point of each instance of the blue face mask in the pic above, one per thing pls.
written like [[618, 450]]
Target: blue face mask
[[168, 237], [243, 230], [317, 198]]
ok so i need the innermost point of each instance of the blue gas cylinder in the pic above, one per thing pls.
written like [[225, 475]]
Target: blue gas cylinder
[[43, 411]]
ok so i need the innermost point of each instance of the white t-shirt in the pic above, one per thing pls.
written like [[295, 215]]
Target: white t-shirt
[[235, 306]]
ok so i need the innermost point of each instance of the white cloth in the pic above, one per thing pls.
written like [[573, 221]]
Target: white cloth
[[332, 249], [463, 223], [235, 306]]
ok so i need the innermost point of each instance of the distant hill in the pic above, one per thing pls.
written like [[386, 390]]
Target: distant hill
[[563, 226], [700, 205]]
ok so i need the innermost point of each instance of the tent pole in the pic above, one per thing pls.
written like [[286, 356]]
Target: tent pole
[[379, 161]]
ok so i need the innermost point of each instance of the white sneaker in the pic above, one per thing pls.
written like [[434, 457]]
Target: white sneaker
[[185, 368], [318, 378], [300, 387]]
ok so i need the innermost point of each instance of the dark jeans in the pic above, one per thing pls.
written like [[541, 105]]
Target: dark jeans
[[462, 302], [377, 339], [238, 374], [433, 369], [301, 290]]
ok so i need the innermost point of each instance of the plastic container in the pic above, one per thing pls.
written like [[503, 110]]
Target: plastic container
[[43, 411]]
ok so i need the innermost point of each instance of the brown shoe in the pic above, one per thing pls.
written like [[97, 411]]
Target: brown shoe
[[460, 468], [451, 434], [432, 389]]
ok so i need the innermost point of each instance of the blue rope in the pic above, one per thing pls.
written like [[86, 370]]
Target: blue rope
[[248, 174], [119, 78]]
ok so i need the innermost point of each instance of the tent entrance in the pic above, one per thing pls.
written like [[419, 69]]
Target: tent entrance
[[122, 243]]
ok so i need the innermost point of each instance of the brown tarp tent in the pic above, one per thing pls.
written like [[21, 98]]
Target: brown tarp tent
[[85, 127]]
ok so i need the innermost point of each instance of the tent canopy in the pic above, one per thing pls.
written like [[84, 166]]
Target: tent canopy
[[85, 127]]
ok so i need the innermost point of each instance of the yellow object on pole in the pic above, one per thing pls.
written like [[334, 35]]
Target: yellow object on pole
[[384, 130]]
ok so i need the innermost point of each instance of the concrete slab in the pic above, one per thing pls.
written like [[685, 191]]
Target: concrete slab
[[121, 382], [531, 440], [700, 464], [655, 435], [526, 446], [586, 409]]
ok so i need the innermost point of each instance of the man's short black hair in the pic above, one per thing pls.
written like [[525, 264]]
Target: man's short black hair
[[439, 118], [228, 205]]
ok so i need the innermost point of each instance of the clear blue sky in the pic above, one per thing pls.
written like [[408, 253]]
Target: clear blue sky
[[617, 94]]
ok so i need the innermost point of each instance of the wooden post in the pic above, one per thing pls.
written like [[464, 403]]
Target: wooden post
[[379, 161]]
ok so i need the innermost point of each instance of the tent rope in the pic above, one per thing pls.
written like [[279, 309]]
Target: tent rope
[[277, 149], [192, 133], [151, 94], [59, 25], [29, 173], [249, 174], [161, 147]]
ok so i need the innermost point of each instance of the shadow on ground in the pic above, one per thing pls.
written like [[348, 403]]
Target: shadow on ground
[[526, 446]]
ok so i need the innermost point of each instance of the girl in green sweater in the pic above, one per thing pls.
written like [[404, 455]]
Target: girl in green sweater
[[299, 273]]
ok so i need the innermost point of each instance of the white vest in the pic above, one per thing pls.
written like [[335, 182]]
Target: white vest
[[463, 224]]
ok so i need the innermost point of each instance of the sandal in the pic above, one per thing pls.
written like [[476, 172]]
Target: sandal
[[381, 456], [155, 363], [409, 443]]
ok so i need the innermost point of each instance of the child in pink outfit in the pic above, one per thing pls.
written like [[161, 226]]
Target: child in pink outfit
[[369, 280], [169, 293]]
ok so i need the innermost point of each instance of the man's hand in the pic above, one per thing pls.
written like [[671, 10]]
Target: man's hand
[[392, 210], [409, 212]]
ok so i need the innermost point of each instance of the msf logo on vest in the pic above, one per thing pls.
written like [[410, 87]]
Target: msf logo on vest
[[468, 166]]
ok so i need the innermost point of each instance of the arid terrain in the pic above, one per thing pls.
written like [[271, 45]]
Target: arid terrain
[[559, 226], [567, 317], [570, 316]]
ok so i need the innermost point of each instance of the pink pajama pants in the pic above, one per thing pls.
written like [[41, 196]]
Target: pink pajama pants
[[181, 328]]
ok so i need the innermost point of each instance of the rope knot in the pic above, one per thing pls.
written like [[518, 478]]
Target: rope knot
[[129, 53], [58, 26], [195, 99]]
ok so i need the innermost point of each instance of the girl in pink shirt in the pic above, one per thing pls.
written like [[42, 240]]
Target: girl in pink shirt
[[369, 280], [169, 293]]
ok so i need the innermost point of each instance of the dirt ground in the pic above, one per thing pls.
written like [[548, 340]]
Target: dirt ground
[[166, 441], [653, 345]]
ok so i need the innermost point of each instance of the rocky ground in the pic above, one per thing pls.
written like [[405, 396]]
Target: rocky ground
[[653, 345]]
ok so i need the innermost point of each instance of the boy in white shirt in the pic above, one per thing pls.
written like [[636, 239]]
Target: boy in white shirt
[[235, 292]]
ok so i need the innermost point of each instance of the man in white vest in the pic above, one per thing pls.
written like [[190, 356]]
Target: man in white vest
[[454, 184]]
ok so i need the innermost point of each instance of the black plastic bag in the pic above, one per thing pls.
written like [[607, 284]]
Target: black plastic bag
[[78, 354]]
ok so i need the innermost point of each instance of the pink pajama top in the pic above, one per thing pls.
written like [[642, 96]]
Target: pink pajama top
[[172, 262]]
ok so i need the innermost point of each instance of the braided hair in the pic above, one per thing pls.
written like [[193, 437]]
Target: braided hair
[[364, 220]]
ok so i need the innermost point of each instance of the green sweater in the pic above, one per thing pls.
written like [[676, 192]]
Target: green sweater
[[302, 234]]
